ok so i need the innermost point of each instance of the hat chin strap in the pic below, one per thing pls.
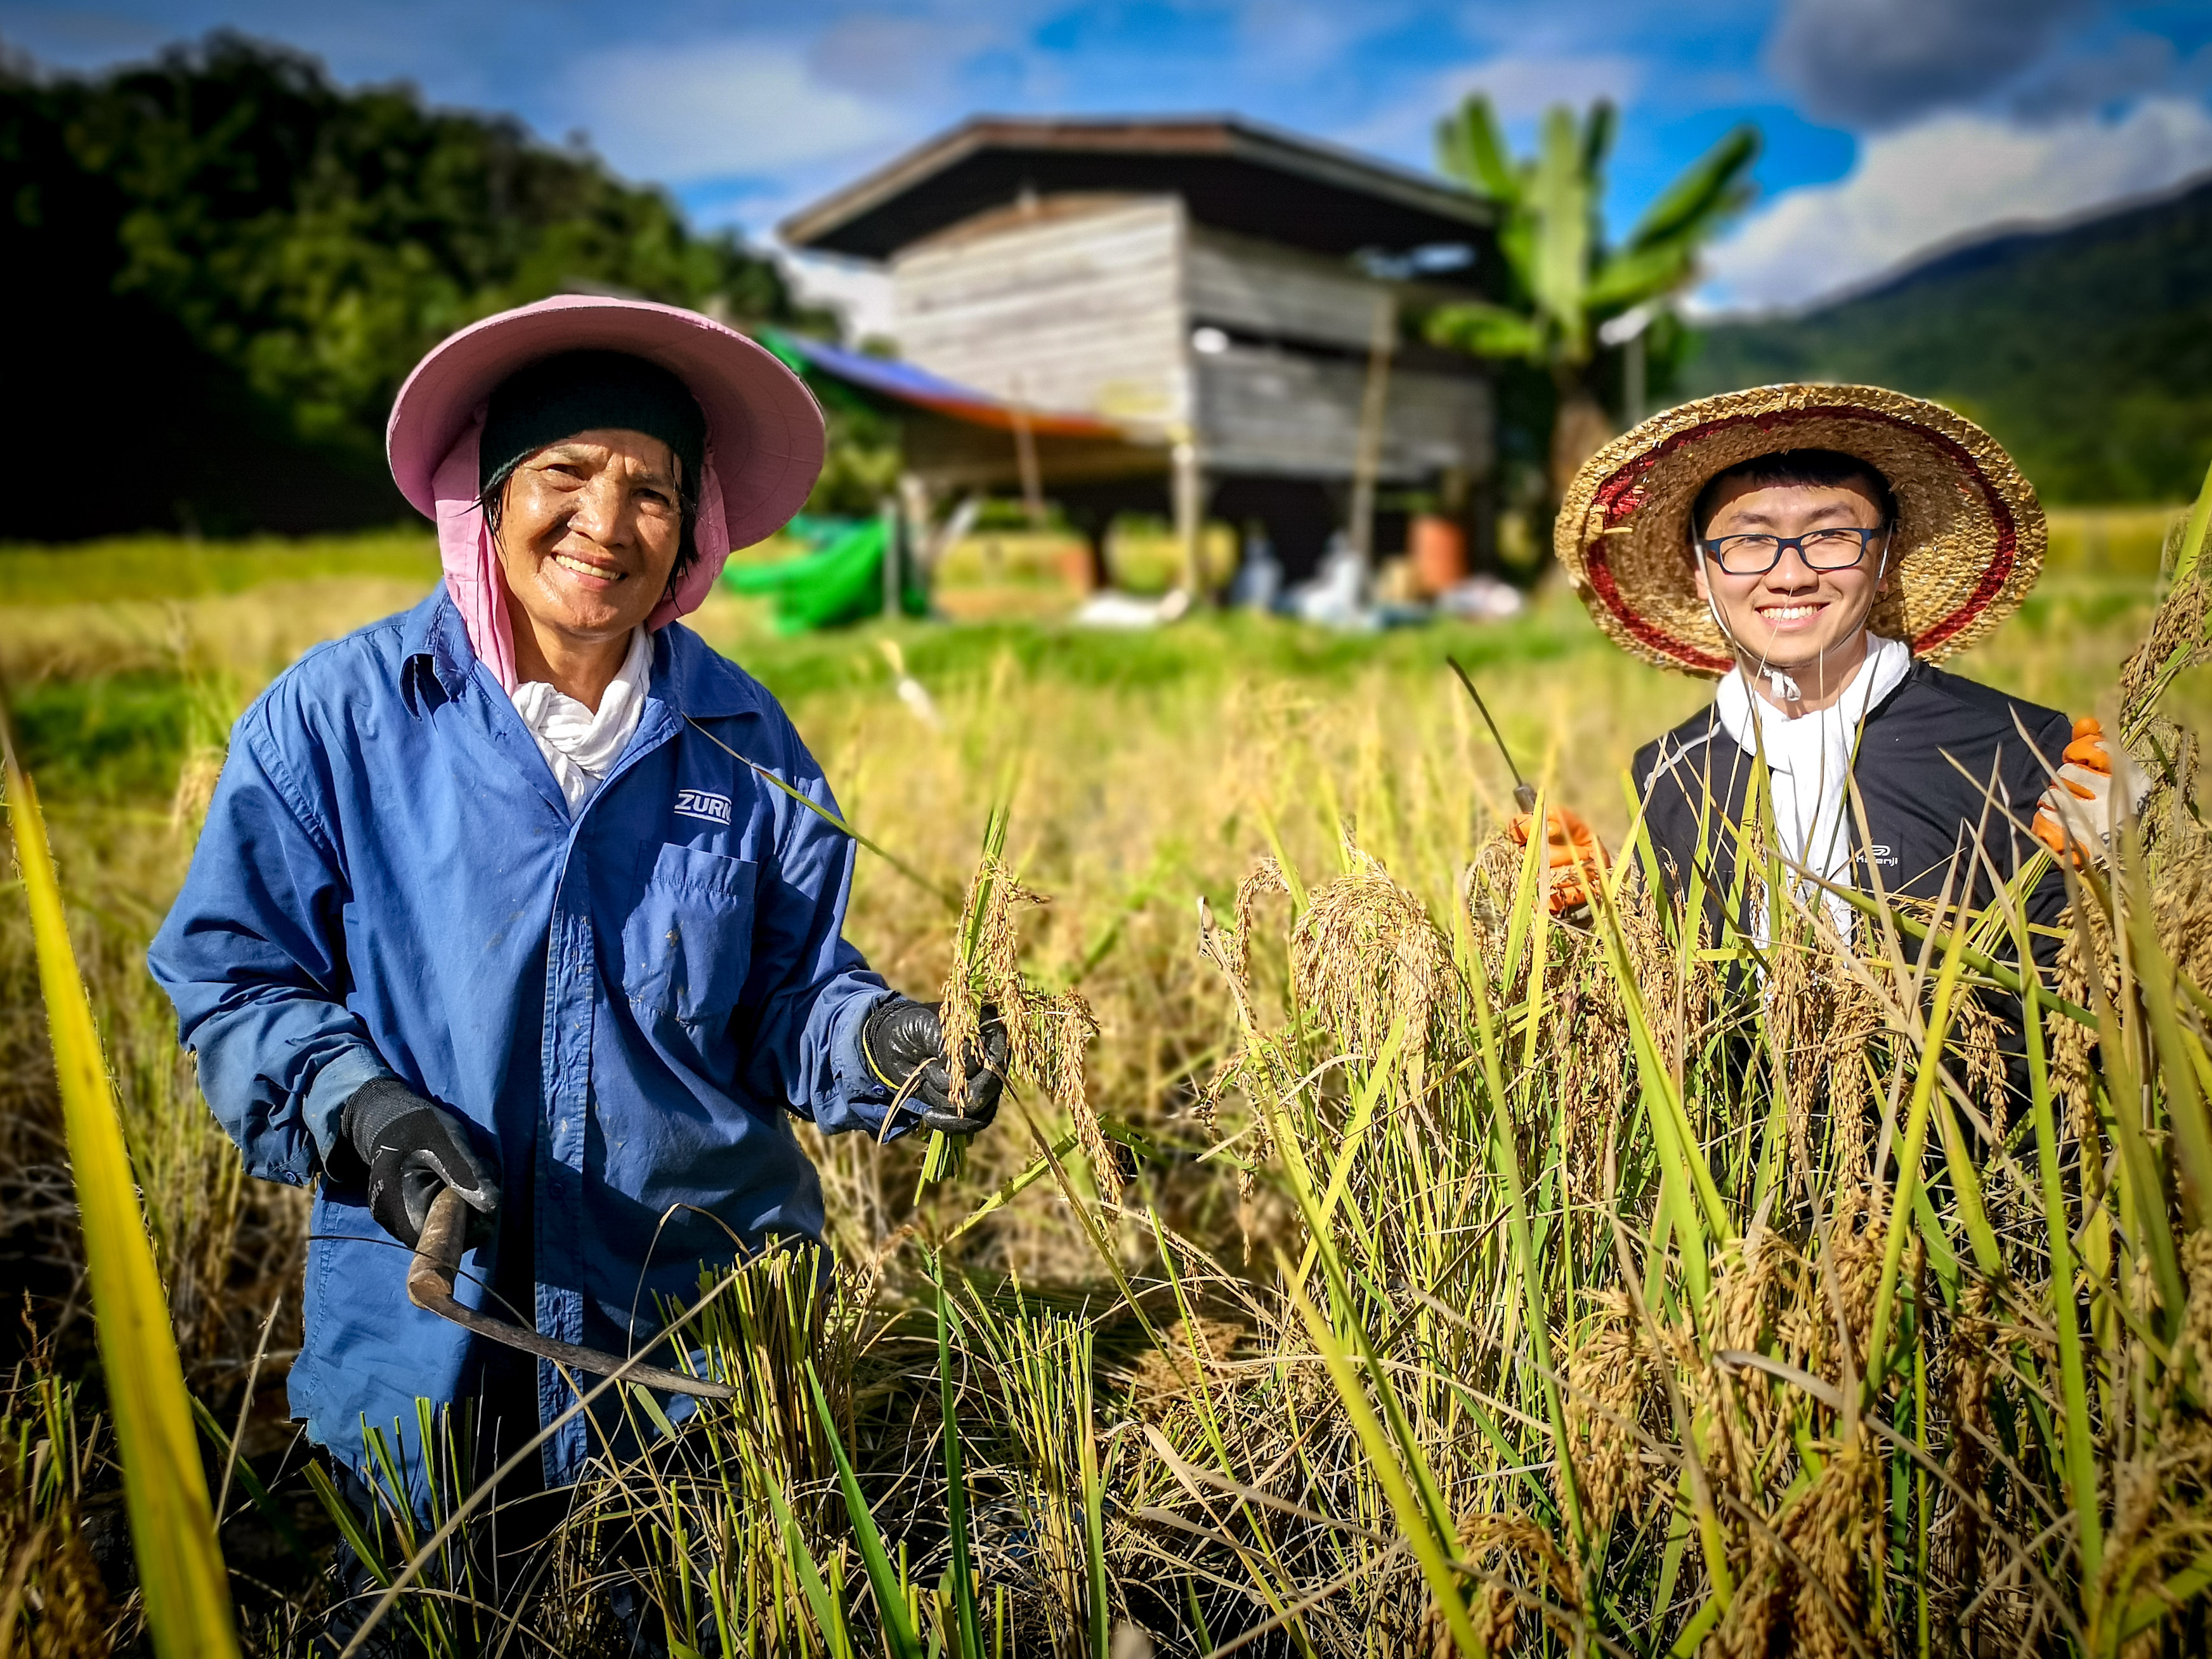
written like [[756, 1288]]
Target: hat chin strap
[[1785, 686]]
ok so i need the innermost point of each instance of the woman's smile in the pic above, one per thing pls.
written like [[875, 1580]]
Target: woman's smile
[[597, 576]]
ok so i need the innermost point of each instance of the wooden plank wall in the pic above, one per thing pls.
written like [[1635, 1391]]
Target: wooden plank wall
[[1269, 409], [1267, 405], [1256, 288], [1073, 303], [1086, 303]]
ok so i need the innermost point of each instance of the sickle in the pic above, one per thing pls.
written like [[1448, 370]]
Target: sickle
[[430, 1285], [1523, 796]]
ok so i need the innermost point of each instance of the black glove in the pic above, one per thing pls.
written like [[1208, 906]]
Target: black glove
[[902, 1037], [413, 1147]]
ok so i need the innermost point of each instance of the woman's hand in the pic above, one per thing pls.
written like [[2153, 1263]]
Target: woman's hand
[[901, 1038], [413, 1147], [1574, 858], [2074, 816]]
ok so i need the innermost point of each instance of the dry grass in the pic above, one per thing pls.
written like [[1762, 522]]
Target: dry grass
[[252, 635]]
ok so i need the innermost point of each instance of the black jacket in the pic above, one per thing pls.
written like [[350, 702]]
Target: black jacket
[[1920, 809]]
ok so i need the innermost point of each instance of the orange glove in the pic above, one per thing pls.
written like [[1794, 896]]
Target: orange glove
[[1574, 858], [2075, 813]]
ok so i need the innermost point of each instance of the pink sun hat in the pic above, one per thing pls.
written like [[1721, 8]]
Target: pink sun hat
[[764, 440]]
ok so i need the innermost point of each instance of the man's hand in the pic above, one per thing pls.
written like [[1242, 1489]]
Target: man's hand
[[1574, 858], [2074, 816], [413, 1147], [903, 1039]]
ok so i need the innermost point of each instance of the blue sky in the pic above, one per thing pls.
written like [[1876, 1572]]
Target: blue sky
[[1892, 126]]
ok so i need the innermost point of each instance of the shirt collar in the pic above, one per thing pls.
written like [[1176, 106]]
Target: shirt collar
[[1761, 727], [435, 652], [692, 679]]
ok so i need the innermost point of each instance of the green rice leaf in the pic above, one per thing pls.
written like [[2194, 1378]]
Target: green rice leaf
[[180, 1567], [882, 1579], [1435, 1554]]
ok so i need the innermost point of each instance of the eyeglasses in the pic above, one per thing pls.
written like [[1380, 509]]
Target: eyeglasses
[[1821, 550]]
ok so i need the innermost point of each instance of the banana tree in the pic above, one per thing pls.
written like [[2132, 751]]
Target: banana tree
[[1564, 282]]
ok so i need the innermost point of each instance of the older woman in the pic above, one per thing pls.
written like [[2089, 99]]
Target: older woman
[[505, 893]]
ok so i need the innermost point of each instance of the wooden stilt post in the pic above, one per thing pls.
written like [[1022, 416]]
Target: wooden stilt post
[[1367, 460], [1189, 493], [1026, 457], [888, 511]]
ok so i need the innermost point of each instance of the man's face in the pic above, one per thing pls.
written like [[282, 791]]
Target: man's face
[[590, 531], [1794, 615]]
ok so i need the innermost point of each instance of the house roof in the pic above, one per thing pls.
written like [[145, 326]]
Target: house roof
[[1233, 174], [906, 383]]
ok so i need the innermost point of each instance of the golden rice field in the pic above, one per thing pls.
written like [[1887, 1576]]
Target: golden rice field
[[1409, 1273]]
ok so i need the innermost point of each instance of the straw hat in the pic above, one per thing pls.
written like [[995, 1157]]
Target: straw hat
[[1968, 546]]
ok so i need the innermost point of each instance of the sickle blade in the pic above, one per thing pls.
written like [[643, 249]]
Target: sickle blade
[[430, 1287], [1523, 796]]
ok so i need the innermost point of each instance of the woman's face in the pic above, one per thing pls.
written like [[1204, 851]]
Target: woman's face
[[589, 533], [1794, 615]]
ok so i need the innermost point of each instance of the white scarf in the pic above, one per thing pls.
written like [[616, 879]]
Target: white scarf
[[1808, 762], [582, 746]]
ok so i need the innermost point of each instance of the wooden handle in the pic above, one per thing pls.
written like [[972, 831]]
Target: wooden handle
[[438, 1251]]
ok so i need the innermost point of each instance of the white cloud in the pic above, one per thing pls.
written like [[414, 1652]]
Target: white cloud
[[733, 107], [862, 293], [1286, 38], [2124, 68], [1521, 88], [885, 56], [1918, 188]]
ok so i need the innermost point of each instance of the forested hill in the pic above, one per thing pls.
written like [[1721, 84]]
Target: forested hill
[[2087, 349], [220, 266]]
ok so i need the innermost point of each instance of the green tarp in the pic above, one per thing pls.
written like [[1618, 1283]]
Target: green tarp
[[840, 581]]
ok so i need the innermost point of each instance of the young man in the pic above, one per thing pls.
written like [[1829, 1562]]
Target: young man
[[1817, 549]]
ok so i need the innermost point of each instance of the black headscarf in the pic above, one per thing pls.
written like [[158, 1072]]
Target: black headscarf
[[557, 397]]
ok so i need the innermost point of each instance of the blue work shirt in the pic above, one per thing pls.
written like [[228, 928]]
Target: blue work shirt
[[622, 1005]]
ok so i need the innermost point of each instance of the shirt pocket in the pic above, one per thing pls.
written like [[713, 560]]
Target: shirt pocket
[[687, 945]]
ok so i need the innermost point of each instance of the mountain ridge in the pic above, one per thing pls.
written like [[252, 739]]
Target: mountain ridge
[[2084, 346]]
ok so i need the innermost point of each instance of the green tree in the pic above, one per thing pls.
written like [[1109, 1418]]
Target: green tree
[[255, 257], [1563, 279]]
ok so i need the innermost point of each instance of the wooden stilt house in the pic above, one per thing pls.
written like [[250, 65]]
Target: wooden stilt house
[[1197, 317]]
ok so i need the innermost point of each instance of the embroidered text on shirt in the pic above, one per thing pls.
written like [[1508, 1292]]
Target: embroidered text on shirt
[[701, 803]]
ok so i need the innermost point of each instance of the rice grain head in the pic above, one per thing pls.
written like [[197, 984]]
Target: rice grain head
[[1048, 1034], [1508, 1550], [1366, 954], [1607, 1384]]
